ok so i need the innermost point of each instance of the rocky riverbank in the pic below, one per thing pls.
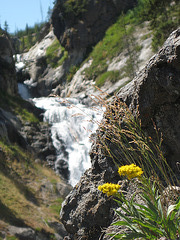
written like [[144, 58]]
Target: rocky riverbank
[[28, 188]]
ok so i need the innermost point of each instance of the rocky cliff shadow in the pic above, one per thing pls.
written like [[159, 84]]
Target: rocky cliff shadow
[[19, 184], [8, 216]]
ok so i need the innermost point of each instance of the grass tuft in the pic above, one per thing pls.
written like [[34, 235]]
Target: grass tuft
[[56, 54]]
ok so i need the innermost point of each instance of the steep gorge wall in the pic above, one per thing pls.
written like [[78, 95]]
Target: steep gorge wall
[[81, 24], [8, 81], [13, 130]]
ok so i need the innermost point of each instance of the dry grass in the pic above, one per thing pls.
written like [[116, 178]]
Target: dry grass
[[24, 201], [123, 140]]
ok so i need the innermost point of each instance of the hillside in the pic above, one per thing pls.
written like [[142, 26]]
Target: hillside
[[108, 62], [30, 192]]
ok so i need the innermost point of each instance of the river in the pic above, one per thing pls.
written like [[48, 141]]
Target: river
[[72, 124]]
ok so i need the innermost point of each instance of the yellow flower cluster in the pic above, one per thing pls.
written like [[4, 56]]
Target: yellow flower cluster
[[109, 188], [131, 171]]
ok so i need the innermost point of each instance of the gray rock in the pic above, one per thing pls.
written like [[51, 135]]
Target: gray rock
[[22, 233], [155, 93], [63, 189], [8, 81], [10, 128], [82, 28], [59, 228], [38, 136]]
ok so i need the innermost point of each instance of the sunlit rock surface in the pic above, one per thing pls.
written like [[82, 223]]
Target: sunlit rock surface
[[155, 92]]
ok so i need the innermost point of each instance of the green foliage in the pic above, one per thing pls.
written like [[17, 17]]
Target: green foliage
[[56, 205], [14, 151], [72, 70], [17, 105], [124, 142], [163, 17], [75, 7], [112, 76], [21, 183], [56, 54], [6, 27], [11, 238], [118, 38], [29, 36], [148, 220]]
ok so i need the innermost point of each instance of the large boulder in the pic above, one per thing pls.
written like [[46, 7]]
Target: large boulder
[[80, 24], [8, 81], [155, 94]]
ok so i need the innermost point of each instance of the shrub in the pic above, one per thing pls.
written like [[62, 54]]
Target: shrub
[[112, 76], [75, 6], [149, 220], [56, 54]]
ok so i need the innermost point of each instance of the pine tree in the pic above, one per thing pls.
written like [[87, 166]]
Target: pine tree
[[6, 27]]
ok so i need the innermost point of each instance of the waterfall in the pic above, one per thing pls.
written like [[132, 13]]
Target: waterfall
[[72, 123]]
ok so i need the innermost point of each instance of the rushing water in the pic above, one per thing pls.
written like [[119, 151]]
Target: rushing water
[[72, 123]]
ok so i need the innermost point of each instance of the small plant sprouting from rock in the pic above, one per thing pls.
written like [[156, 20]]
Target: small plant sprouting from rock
[[149, 220], [124, 141]]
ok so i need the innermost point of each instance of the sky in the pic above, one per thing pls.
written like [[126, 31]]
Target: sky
[[18, 13]]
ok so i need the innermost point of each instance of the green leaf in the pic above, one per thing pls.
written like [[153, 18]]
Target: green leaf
[[160, 208], [124, 217], [134, 235], [116, 236], [150, 204], [128, 222], [128, 236], [147, 211], [153, 228], [119, 223], [171, 208]]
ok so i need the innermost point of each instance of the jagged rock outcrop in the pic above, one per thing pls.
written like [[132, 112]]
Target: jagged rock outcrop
[[80, 24], [7, 67], [10, 127], [42, 78], [155, 93]]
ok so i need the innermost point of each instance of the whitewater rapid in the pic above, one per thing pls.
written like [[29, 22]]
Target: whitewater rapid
[[72, 123]]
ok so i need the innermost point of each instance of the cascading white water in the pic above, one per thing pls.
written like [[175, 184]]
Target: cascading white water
[[72, 123], [71, 126]]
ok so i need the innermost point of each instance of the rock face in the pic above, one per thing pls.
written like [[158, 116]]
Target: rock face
[[11, 128], [7, 68], [155, 92], [81, 24]]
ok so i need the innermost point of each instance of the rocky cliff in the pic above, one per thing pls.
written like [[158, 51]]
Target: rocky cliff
[[153, 95], [81, 24], [7, 67], [78, 25]]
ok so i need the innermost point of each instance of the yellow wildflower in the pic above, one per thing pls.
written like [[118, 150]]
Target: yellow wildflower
[[109, 188], [131, 171]]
